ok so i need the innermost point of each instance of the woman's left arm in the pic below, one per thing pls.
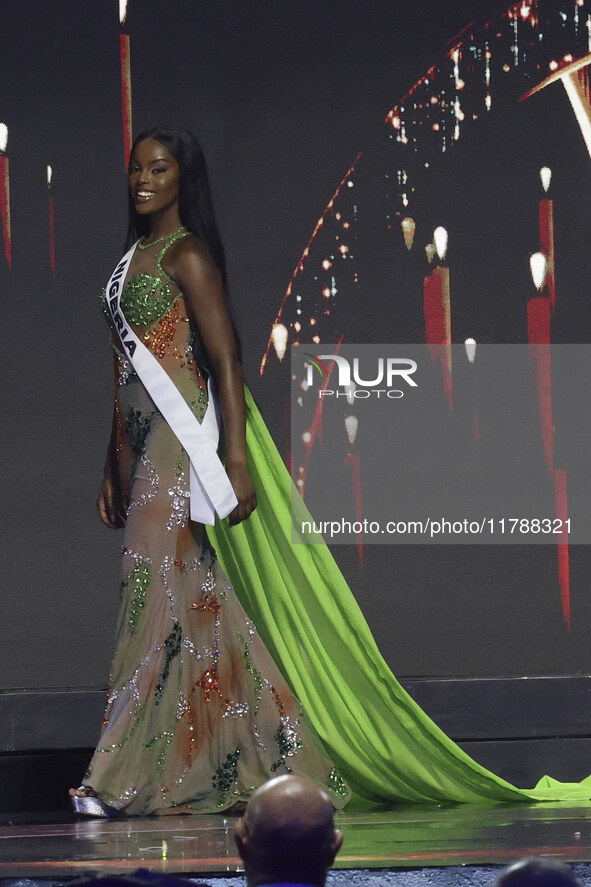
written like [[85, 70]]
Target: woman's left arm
[[200, 281]]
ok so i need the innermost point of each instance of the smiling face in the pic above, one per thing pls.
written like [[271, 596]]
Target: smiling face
[[154, 179]]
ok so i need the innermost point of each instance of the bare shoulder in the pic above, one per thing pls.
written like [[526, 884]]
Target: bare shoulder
[[189, 263]]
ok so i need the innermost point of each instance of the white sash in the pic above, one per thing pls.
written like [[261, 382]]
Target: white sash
[[210, 486]]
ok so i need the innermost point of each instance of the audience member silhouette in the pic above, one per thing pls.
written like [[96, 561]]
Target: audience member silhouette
[[537, 871], [287, 834]]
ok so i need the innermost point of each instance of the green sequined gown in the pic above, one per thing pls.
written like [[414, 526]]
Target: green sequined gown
[[197, 712]]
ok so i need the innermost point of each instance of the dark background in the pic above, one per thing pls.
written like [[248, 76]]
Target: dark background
[[282, 96]]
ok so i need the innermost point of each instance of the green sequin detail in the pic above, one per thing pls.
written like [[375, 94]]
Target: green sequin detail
[[227, 773], [198, 402], [287, 744], [166, 738], [138, 580], [255, 673], [146, 298], [172, 645], [336, 784], [116, 745], [138, 428]]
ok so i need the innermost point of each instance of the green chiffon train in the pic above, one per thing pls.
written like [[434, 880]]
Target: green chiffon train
[[385, 745]]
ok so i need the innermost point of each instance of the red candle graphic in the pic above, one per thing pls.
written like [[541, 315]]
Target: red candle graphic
[[546, 217], [354, 461], [51, 222], [538, 336], [539, 309], [5, 194], [124, 51], [574, 76], [315, 431], [437, 311], [561, 503], [470, 349], [279, 337]]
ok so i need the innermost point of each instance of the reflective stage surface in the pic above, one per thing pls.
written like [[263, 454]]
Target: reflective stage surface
[[62, 846]]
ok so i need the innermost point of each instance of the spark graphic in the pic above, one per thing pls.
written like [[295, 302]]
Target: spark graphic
[[328, 292]]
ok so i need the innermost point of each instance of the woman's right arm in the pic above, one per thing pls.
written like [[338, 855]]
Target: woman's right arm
[[113, 499]]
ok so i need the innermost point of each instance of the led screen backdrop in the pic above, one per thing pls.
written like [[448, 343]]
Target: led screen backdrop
[[339, 136]]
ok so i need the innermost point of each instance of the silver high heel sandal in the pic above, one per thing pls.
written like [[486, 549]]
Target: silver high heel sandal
[[90, 805]]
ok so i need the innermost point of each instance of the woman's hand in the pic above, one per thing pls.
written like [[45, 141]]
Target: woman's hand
[[112, 504], [244, 489]]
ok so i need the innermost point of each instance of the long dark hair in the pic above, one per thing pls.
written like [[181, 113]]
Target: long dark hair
[[195, 207], [195, 203]]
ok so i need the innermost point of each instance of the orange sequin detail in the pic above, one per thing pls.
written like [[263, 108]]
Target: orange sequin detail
[[188, 713], [206, 603], [279, 701], [160, 339], [209, 682]]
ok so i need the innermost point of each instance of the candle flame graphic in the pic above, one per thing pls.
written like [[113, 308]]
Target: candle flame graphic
[[408, 231], [279, 335], [537, 264], [470, 346], [3, 137], [440, 241], [545, 177], [351, 426], [49, 174]]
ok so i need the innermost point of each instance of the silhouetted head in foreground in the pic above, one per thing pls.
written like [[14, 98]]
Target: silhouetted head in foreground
[[537, 871], [288, 833]]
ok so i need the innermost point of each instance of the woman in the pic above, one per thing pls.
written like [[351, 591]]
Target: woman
[[197, 715]]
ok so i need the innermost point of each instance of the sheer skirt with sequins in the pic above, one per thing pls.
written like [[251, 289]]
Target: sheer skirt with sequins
[[197, 713]]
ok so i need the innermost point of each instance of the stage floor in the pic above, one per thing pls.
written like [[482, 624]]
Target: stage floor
[[64, 846]]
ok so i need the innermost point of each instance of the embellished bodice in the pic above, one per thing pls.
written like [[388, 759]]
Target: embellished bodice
[[152, 303], [147, 298]]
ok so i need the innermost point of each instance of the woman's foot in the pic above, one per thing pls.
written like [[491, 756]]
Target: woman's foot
[[84, 800], [83, 791]]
